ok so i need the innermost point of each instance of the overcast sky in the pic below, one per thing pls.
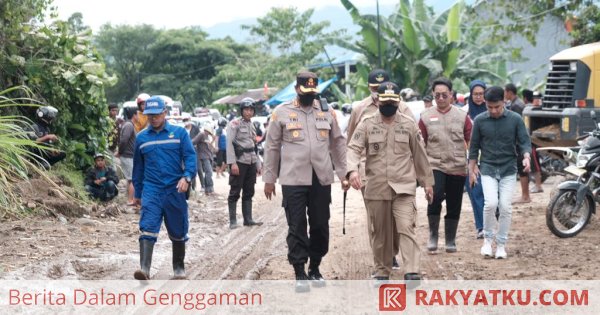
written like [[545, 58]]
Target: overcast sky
[[181, 13]]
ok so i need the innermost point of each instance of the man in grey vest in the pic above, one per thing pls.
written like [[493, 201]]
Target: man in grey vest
[[447, 131]]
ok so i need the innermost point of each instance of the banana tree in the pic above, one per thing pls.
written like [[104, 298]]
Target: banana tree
[[418, 46]]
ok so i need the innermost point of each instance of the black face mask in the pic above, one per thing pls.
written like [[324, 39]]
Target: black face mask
[[388, 110], [306, 99]]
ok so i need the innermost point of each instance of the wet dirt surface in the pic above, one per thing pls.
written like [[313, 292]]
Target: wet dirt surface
[[101, 246]]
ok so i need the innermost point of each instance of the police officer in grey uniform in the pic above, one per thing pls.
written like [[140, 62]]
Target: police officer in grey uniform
[[243, 162], [301, 135]]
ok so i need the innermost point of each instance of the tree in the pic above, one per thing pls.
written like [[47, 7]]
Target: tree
[[287, 41], [75, 22], [62, 69], [586, 28], [183, 63], [291, 33], [418, 46], [252, 68], [126, 50]]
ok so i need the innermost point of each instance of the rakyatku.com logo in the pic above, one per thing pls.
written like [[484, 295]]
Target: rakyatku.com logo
[[392, 297]]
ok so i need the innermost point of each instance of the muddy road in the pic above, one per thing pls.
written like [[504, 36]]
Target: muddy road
[[106, 247]]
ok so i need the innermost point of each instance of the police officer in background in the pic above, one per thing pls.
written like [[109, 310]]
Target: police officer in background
[[244, 163], [300, 137], [395, 160]]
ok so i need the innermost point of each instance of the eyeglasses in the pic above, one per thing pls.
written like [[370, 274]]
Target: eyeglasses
[[441, 96], [478, 94]]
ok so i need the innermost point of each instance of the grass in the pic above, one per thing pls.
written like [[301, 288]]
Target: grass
[[17, 162], [72, 178]]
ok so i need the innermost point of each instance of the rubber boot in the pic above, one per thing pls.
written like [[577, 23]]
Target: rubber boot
[[232, 218], [412, 280], [302, 284], [450, 227], [314, 275], [178, 261], [247, 213], [434, 225], [146, 248]]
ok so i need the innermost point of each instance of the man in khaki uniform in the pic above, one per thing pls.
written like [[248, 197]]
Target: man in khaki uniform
[[446, 130], [300, 137], [244, 163], [396, 159], [365, 108]]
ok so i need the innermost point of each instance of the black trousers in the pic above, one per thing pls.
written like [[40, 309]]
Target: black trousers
[[449, 188], [106, 192], [245, 181], [296, 200]]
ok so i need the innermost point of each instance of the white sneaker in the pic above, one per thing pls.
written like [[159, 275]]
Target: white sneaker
[[500, 252], [486, 249]]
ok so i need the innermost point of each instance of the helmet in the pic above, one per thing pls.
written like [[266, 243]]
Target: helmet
[[208, 128], [346, 108], [46, 114], [142, 98], [407, 94], [247, 102], [222, 122]]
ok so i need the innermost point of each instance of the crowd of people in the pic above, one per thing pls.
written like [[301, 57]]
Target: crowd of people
[[382, 150]]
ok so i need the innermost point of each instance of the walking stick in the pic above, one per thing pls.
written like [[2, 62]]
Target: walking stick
[[344, 224]]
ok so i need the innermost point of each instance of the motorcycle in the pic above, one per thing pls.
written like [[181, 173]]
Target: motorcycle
[[571, 208], [554, 160]]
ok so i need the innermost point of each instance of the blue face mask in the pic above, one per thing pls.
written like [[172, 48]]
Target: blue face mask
[[388, 110]]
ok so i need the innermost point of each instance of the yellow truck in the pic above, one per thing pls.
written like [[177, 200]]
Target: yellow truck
[[572, 92]]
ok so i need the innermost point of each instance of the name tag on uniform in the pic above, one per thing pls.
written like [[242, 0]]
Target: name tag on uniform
[[293, 125], [433, 118]]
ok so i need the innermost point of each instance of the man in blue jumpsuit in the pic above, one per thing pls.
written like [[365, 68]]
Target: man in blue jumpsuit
[[164, 164]]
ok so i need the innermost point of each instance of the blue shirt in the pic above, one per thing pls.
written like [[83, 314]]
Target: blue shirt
[[161, 159], [499, 140]]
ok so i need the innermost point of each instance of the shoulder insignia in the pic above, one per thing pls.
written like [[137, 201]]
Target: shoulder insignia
[[274, 116], [235, 122]]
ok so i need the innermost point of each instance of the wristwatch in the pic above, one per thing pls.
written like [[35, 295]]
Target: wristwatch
[[188, 179]]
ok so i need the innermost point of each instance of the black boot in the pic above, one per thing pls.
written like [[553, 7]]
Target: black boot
[[232, 219], [314, 275], [302, 284], [247, 213], [146, 248], [450, 227], [178, 261], [412, 280], [434, 225]]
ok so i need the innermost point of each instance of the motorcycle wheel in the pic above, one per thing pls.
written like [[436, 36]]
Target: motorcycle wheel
[[559, 218]]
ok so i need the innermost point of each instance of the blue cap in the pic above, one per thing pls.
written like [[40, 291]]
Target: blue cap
[[154, 105]]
